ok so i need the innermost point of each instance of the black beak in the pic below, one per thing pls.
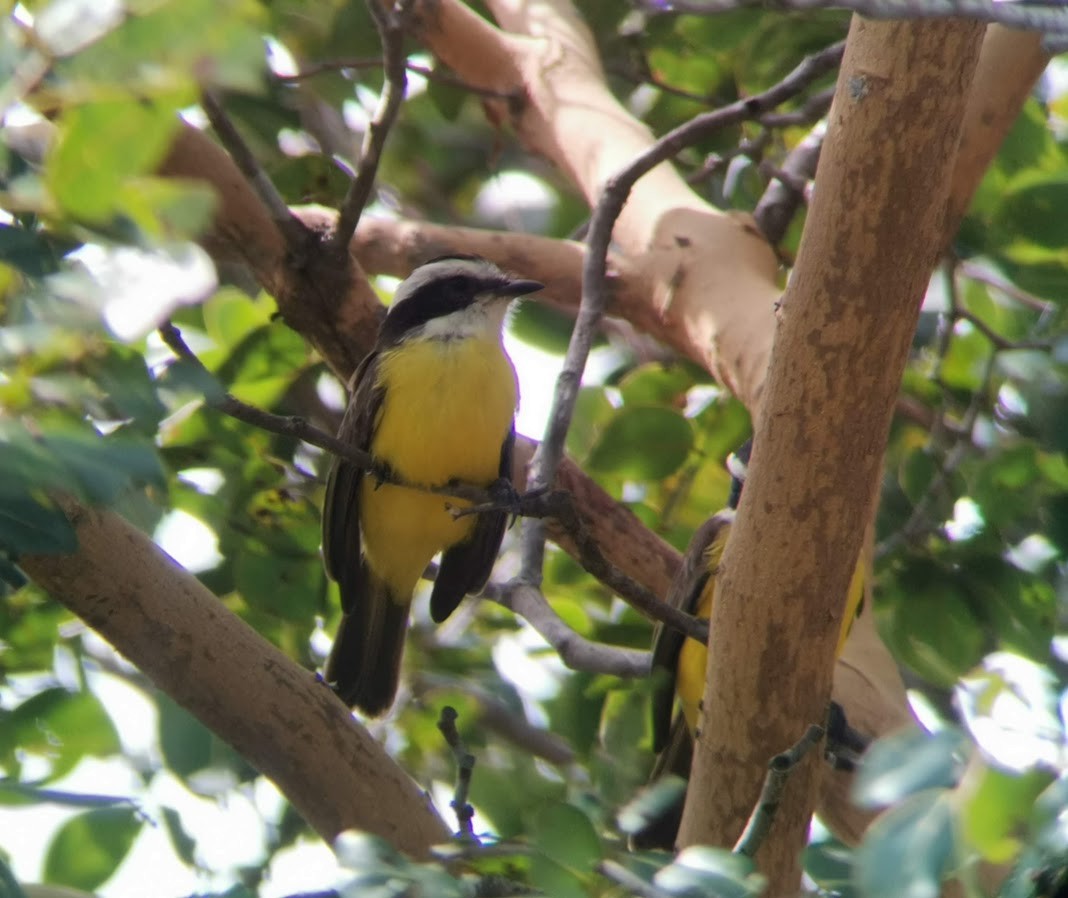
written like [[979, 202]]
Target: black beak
[[519, 288]]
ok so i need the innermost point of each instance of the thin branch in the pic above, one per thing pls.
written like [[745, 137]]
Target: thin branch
[[1029, 300], [301, 429], [577, 652], [441, 77], [535, 505], [781, 200], [1001, 343], [813, 109], [391, 24], [779, 769], [1051, 18], [918, 522], [499, 718], [291, 226], [465, 765], [560, 506], [595, 281]]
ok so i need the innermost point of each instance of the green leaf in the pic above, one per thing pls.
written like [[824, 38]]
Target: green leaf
[[291, 588], [565, 835], [164, 47], [643, 443], [830, 864], [310, 179], [908, 850], [100, 145], [87, 849], [592, 411], [932, 627], [64, 727], [184, 845], [448, 99], [703, 871], [31, 524], [650, 803], [187, 745], [996, 804], [656, 384], [103, 467], [554, 879], [9, 887], [907, 762], [30, 252], [166, 210], [1032, 208]]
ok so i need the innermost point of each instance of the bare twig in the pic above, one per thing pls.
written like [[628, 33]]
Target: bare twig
[[574, 650], [301, 429], [291, 226], [813, 109], [560, 506], [780, 202], [594, 274], [1051, 18], [465, 765], [779, 769], [978, 273], [999, 342], [441, 77], [391, 24], [496, 716]]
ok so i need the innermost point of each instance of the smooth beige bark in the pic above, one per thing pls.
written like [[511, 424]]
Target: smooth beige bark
[[847, 320]]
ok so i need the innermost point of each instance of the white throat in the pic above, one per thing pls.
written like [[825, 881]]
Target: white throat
[[481, 320]]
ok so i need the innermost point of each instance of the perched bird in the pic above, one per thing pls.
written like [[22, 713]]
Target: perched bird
[[679, 663], [433, 403]]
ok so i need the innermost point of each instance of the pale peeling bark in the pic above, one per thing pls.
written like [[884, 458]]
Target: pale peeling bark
[[847, 321]]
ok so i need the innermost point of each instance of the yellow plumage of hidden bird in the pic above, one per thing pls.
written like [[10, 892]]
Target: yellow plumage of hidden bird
[[679, 663], [433, 403]]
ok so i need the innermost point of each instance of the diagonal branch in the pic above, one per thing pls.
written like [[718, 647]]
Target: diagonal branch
[[391, 24], [276, 714], [594, 274], [577, 652], [295, 232]]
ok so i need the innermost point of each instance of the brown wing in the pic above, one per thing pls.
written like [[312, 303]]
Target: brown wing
[[341, 507], [466, 567], [684, 594]]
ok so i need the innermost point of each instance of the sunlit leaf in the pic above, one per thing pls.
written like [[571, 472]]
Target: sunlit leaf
[[908, 850], [87, 849], [907, 762], [642, 443]]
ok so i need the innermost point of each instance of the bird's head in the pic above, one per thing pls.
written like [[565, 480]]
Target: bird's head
[[452, 297]]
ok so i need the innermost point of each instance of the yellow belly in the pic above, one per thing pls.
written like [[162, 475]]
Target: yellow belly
[[693, 657], [447, 410]]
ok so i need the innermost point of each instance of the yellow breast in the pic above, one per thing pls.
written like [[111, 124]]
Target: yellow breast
[[693, 657], [447, 409]]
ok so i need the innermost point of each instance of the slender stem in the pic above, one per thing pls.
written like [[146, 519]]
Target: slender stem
[[291, 226], [779, 769], [391, 24]]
